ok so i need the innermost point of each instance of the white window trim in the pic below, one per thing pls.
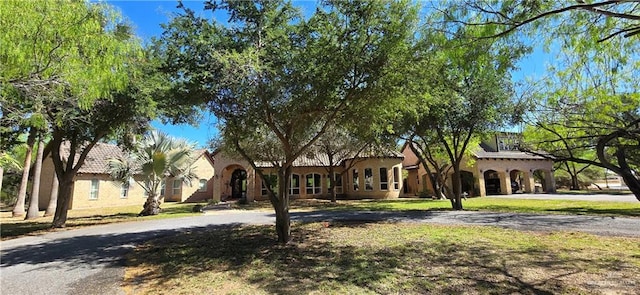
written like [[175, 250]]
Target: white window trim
[[176, 190], [316, 188], [94, 191], [355, 180], [396, 180], [386, 173], [291, 187], [368, 189]]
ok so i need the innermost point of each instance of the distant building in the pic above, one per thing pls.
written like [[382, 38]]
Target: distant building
[[497, 167]]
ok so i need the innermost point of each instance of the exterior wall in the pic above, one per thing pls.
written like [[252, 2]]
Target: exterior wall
[[347, 188], [203, 168], [376, 193], [224, 167], [108, 193]]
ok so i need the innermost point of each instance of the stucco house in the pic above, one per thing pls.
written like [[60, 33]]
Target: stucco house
[[497, 167], [94, 188], [375, 176]]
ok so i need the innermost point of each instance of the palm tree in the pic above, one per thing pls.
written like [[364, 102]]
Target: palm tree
[[156, 157]]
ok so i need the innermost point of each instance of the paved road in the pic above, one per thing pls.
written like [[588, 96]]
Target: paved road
[[89, 260], [594, 197]]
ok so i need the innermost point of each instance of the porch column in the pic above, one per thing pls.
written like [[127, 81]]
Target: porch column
[[482, 185], [550, 181], [529, 182], [251, 185], [505, 183]]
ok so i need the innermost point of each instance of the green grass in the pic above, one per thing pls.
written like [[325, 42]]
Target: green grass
[[384, 258], [11, 227], [622, 209], [15, 227]]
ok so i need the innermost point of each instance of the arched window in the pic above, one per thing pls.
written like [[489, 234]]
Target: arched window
[[313, 184]]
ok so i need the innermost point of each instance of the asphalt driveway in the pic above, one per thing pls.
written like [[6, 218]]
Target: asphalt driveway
[[90, 260]]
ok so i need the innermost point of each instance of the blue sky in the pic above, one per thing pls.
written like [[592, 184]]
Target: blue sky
[[146, 17]]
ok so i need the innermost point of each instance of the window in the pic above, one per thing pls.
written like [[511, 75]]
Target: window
[[203, 185], [294, 186], [384, 179], [368, 179], [272, 181], [177, 184], [355, 180], [396, 178], [162, 188], [93, 193], [313, 184], [124, 190], [337, 185]]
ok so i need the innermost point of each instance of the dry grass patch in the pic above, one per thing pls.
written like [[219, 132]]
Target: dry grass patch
[[384, 258]]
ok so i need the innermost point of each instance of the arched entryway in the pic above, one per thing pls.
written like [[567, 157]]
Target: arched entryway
[[517, 181], [238, 184], [492, 182]]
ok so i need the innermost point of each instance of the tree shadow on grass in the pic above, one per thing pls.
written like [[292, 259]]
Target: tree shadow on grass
[[312, 263], [594, 211]]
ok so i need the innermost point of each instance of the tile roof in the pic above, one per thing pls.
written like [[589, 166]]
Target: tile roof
[[513, 155], [321, 160], [97, 159]]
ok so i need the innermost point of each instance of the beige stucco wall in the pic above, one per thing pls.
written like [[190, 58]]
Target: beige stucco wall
[[108, 193], [204, 169], [224, 167]]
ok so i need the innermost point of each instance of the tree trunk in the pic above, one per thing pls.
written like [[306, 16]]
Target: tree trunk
[[1, 176], [34, 209], [332, 184], [51, 209], [18, 210], [457, 189], [633, 183], [281, 205], [64, 199], [151, 206], [283, 222], [575, 185]]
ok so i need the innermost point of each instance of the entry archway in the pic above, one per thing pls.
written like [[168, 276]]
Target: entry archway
[[492, 182]]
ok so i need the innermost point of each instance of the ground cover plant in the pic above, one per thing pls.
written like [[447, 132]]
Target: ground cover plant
[[384, 258], [13, 227]]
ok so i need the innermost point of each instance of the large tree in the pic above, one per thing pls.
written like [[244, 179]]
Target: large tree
[[463, 89], [78, 65], [588, 110], [271, 74]]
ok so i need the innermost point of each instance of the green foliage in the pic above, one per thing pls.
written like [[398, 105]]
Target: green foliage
[[278, 81], [154, 158], [66, 47]]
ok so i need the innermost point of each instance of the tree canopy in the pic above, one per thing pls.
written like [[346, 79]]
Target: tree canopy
[[274, 76]]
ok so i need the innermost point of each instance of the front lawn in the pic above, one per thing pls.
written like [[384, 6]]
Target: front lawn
[[13, 227], [624, 209], [384, 258]]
